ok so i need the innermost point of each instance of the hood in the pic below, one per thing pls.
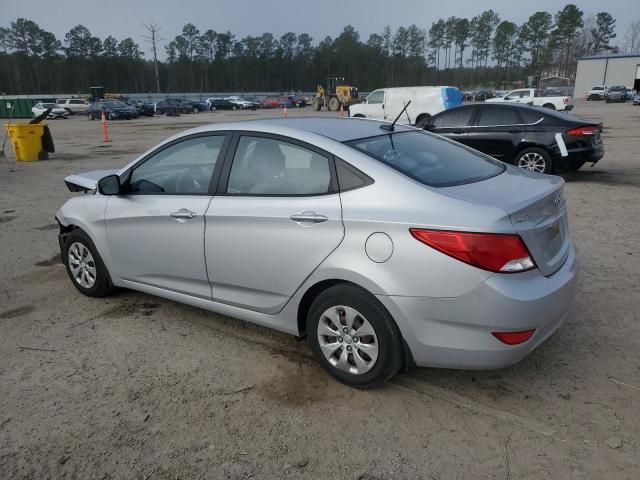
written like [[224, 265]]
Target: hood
[[84, 182]]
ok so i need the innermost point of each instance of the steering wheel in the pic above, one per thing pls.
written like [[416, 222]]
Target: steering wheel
[[191, 181]]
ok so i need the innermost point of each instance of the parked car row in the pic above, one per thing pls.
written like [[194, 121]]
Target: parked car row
[[615, 93]]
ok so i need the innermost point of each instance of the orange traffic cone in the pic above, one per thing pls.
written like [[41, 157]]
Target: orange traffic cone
[[105, 129], [341, 110], [284, 112]]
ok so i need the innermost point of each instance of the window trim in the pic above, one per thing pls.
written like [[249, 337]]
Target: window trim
[[478, 113], [223, 180], [126, 176]]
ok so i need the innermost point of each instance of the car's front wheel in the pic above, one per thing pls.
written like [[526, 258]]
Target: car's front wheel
[[85, 266], [354, 337], [534, 159]]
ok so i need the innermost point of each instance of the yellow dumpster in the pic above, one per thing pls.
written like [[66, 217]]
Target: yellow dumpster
[[27, 141]]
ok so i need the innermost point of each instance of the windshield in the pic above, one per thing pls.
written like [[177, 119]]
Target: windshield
[[597, 88], [429, 159], [617, 89], [115, 104]]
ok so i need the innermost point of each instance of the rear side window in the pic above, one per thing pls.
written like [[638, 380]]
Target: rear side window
[[497, 116], [429, 159], [529, 116], [265, 166], [453, 118]]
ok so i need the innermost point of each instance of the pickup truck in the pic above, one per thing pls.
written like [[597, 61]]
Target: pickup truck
[[530, 96]]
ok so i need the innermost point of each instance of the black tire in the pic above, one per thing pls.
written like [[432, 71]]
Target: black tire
[[550, 106], [389, 339], [316, 104], [548, 162], [196, 110], [334, 104], [102, 286], [69, 111]]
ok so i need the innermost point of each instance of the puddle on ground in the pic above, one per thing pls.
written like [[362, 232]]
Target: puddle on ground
[[17, 312]]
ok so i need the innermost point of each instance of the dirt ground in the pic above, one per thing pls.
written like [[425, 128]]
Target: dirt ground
[[134, 386]]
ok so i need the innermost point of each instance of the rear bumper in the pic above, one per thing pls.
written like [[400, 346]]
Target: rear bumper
[[456, 332]]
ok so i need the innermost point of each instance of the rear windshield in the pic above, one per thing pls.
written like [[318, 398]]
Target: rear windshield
[[429, 159]]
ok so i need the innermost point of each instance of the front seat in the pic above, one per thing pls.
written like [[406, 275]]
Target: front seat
[[268, 167]]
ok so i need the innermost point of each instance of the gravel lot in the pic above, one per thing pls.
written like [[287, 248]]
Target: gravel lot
[[134, 386]]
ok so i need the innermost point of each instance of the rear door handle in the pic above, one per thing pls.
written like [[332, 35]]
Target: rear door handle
[[183, 214], [311, 217], [458, 132]]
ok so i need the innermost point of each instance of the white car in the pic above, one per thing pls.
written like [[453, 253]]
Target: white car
[[387, 103], [597, 92], [530, 96], [73, 105], [56, 110], [241, 102]]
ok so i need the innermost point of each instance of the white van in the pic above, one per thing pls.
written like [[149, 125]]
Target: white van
[[387, 103]]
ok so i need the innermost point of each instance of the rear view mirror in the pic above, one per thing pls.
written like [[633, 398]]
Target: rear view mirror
[[109, 185]]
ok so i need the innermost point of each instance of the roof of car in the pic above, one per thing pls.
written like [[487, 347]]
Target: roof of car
[[339, 129]]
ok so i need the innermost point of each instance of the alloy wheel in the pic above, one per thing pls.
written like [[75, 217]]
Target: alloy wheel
[[82, 265], [532, 161], [347, 340]]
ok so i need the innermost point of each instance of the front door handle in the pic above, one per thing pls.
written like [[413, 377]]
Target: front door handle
[[311, 217], [183, 214], [459, 132]]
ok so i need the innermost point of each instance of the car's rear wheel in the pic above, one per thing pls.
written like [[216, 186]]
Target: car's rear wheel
[[550, 106], [354, 337], [534, 159], [196, 110], [85, 266]]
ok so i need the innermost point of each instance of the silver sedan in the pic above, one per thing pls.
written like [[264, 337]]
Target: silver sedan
[[386, 247]]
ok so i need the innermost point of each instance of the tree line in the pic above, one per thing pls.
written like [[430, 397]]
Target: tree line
[[484, 50]]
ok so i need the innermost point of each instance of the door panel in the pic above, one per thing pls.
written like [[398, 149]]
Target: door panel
[[257, 256], [275, 220], [497, 132], [156, 228], [150, 246]]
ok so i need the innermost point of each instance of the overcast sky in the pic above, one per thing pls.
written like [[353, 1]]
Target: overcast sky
[[319, 18]]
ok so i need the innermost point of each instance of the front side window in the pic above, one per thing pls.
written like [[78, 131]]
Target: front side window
[[184, 168], [266, 166], [429, 159], [514, 95], [376, 97], [453, 118]]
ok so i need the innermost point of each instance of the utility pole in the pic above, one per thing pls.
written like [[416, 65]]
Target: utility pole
[[153, 39]]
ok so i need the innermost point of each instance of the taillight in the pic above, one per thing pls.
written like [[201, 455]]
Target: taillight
[[583, 131], [513, 338], [496, 252], [565, 100]]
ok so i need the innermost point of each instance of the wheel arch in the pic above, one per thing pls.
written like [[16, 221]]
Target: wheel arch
[[317, 288]]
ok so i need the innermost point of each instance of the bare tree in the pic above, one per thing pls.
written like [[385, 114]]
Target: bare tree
[[632, 38], [153, 38]]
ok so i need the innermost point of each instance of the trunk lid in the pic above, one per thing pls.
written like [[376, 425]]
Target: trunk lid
[[84, 182], [536, 207]]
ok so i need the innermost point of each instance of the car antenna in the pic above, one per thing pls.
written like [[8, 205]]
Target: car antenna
[[391, 126]]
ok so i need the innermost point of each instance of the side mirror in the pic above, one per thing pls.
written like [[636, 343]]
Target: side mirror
[[109, 185]]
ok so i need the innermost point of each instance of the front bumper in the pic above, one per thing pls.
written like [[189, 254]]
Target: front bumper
[[456, 332]]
